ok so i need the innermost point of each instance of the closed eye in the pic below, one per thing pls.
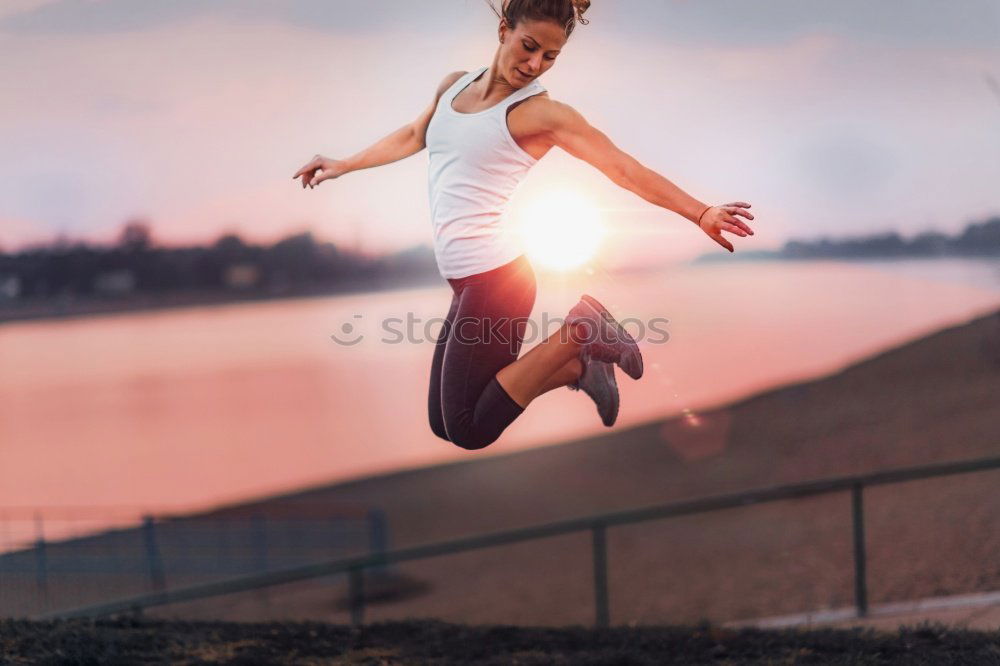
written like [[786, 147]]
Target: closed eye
[[532, 50]]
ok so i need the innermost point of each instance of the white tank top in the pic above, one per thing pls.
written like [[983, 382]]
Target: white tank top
[[475, 166]]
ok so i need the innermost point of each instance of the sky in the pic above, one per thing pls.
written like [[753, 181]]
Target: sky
[[832, 118]]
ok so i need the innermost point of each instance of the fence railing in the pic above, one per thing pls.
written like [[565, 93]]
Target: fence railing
[[596, 524], [175, 551]]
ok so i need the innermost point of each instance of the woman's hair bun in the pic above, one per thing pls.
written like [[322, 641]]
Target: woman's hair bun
[[513, 11]]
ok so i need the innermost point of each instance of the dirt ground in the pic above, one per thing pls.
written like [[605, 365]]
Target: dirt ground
[[131, 641]]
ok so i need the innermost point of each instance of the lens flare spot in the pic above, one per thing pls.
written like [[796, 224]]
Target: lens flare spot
[[560, 230]]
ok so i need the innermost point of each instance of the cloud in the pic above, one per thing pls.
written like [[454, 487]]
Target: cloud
[[915, 23], [108, 16], [12, 7], [731, 22]]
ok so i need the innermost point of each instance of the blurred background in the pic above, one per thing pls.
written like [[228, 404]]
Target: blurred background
[[178, 404]]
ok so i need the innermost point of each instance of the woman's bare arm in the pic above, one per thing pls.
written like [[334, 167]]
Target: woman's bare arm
[[570, 131], [405, 141]]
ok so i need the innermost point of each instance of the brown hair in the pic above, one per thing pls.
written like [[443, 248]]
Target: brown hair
[[563, 12]]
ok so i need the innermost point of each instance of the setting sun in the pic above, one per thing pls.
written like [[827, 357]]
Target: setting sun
[[561, 230]]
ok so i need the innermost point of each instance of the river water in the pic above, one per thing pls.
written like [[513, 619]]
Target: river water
[[103, 418]]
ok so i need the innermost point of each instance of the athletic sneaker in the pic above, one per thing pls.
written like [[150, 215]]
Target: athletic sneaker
[[598, 381], [604, 338]]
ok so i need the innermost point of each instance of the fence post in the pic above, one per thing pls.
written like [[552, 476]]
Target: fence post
[[260, 552], [860, 582], [378, 536], [156, 577], [357, 595], [41, 572], [259, 532], [41, 561], [600, 574]]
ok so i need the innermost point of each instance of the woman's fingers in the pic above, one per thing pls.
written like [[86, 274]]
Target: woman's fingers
[[307, 175], [723, 242], [740, 224], [324, 174], [312, 165], [735, 210], [732, 228], [308, 172]]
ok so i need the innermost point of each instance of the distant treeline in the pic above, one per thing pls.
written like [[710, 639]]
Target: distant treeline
[[977, 240], [64, 278]]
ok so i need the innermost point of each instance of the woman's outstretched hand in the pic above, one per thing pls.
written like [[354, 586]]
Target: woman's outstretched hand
[[717, 219], [319, 169]]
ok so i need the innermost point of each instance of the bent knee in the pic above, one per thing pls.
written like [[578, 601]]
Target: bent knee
[[472, 441], [437, 427]]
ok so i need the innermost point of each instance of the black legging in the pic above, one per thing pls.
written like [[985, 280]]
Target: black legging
[[481, 334]]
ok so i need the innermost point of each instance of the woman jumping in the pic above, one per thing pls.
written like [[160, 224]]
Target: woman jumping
[[484, 130]]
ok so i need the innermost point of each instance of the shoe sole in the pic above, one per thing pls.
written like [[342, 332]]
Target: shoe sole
[[615, 401], [632, 370], [615, 395]]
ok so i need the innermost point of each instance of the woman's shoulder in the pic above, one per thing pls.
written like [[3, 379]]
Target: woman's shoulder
[[540, 113], [449, 80], [537, 102]]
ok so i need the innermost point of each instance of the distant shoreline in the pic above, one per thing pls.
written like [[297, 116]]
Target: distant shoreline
[[780, 255], [52, 309]]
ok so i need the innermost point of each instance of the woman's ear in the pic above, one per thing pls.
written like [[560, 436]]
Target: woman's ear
[[502, 30]]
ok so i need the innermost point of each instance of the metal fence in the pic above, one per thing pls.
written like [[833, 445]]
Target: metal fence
[[164, 553], [355, 567]]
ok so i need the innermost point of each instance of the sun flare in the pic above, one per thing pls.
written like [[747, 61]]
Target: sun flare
[[560, 230]]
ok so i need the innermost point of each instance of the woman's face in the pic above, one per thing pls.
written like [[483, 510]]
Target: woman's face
[[529, 50]]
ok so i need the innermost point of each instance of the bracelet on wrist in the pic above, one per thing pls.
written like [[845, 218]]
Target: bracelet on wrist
[[703, 215]]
